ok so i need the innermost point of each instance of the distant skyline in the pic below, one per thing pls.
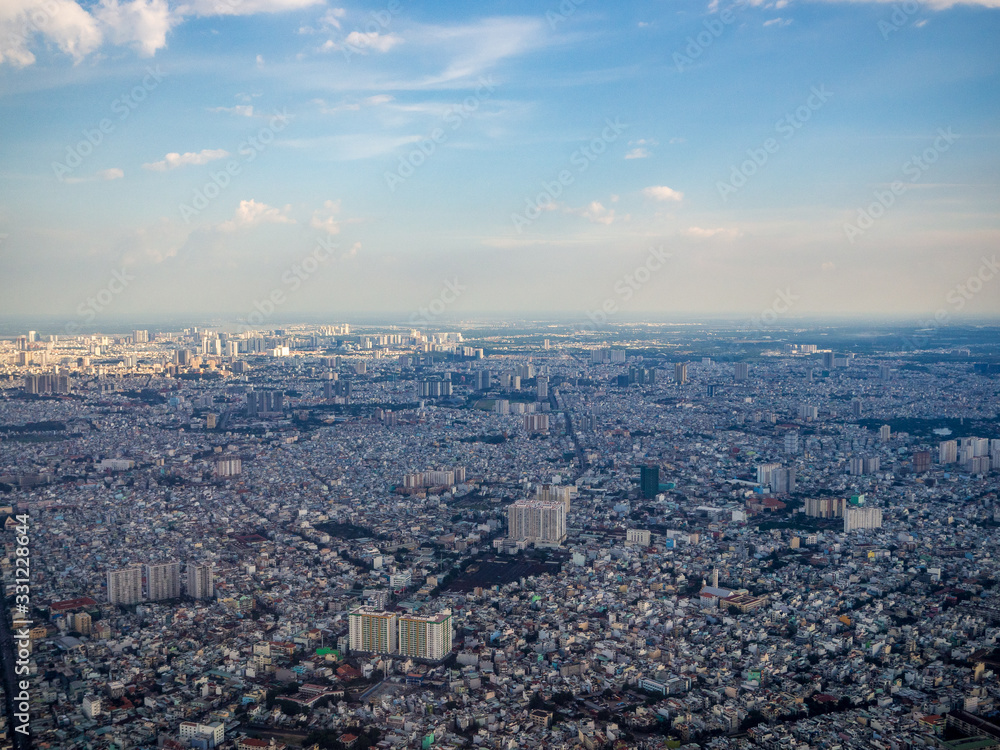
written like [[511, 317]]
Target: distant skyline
[[211, 158]]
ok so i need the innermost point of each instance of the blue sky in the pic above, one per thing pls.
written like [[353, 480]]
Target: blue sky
[[533, 154]]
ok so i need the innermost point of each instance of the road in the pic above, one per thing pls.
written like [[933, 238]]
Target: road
[[581, 457]]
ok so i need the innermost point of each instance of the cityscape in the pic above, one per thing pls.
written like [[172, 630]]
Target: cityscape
[[507, 375], [506, 535]]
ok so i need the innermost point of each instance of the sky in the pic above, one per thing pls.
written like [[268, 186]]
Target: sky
[[602, 160]]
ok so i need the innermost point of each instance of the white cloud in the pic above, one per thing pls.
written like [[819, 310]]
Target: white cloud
[[174, 160], [243, 110], [477, 47], [596, 213], [330, 20], [141, 23], [63, 23], [662, 193], [638, 153], [79, 29], [114, 173], [250, 213], [352, 106], [778, 22], [362, 41], [242, 7], [703, 233], [326, 218]]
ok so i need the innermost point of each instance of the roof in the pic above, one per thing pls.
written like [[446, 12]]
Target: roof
[[68, 604]]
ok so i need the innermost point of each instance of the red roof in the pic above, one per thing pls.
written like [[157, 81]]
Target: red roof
[[78, 603], [253, 742]]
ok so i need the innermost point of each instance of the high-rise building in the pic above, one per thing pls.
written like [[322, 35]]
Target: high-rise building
[[856, 407], [741, 371], [649, 480], [825, 507], [425, 637], [265, 402], [641, 375], [542, 385], [808, 412], [228, 467], [860, 466], [433, 388], [791, 441], [638, 537], [764, 473], [884, 433], [91, 706], [862, 518], [163, 581], [947, 452], [828, 358], [201, 580], [125, 585], [372, 630], [977, 465], [538, 522], [536, 422], [561, 493], [782, 481], [82, 623], [46, 383], [680, 373]]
